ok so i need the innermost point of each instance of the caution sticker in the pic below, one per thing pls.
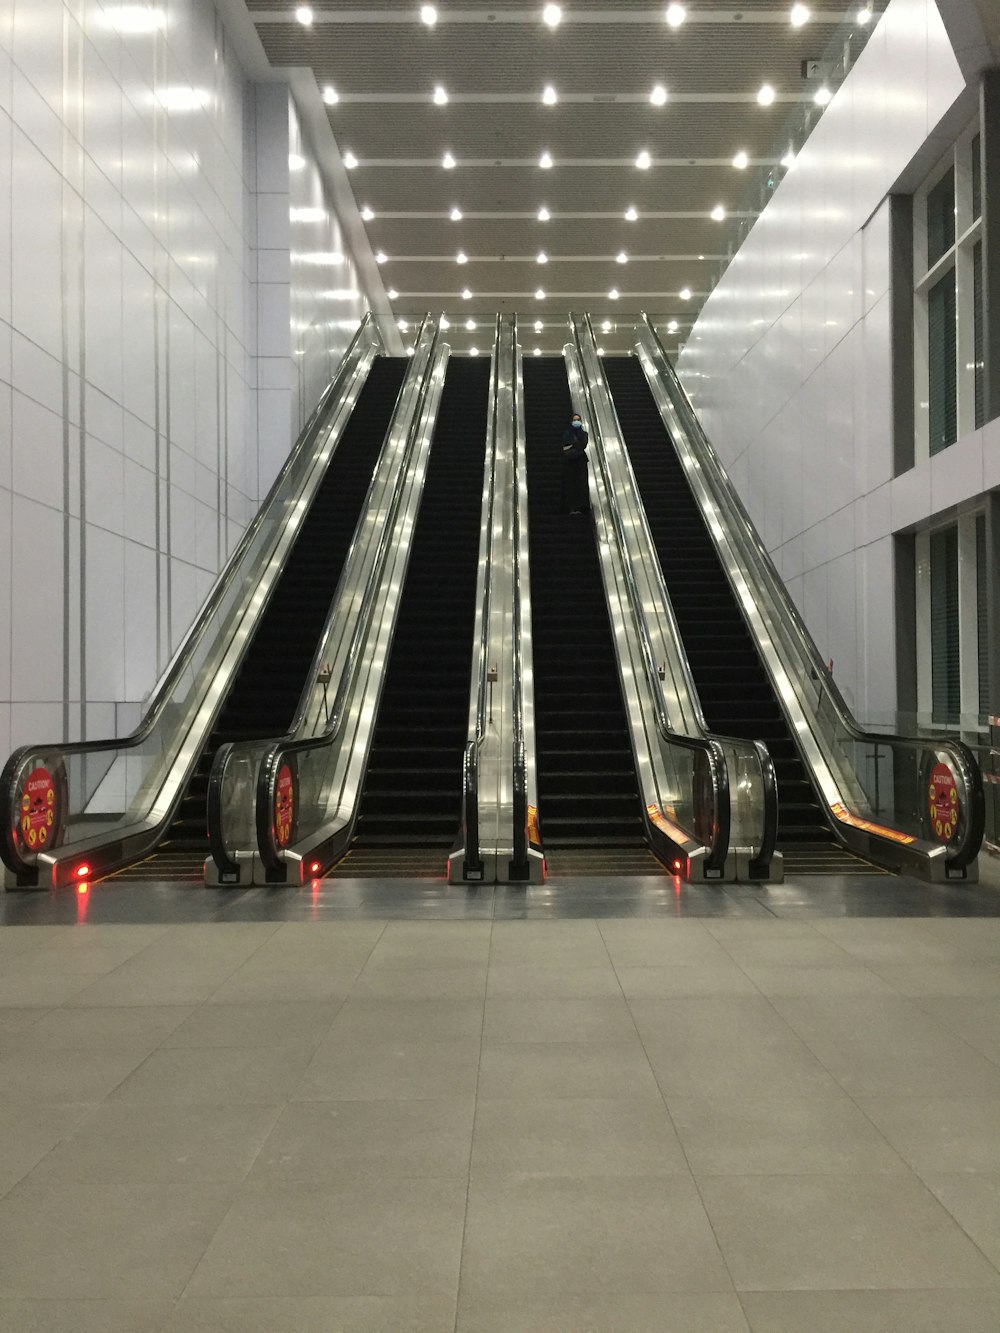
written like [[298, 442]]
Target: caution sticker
[[942, 802], [39, 810], [284, 806]]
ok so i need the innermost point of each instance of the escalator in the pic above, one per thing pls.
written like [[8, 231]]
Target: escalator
[[736, 693], [264, 695], [588, 796], [411, 805]]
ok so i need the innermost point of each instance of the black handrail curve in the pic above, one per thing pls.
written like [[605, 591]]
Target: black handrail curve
[[726, 494]]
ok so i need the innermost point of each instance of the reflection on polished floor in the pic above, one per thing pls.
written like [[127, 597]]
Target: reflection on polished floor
[[397, 1107]]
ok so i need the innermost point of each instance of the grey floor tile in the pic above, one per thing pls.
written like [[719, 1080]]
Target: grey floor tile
[[940, 1133], [575, 1137], [565, 1069], [216, 1076], [461, 982], [814, 1232], [422, 944], [661, 944], [528, 981], [974, 1201], [313, 1314], [84, 1316], [14, 1021], [406, 1020], [40, 1075], [41, 990], [27, 1136], [315, 1141], [545, 1237], [873, 1311], [977, 939], [737, 1019], [137, 983], [373, 1237], [676, 1312], [966, 978], [558, 1020], [421, 1070], [773, 1136], [725, 1066], [256, 983], [889, 941], [824, 979], [547, 944], [680, 982], [120, 1143], [778, 951], [975, 1020], [256, 1025], [120, 1030], [105, 1242]]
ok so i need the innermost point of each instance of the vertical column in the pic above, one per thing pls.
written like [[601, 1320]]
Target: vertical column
[[992, 583], [989, 119], [901, 307]]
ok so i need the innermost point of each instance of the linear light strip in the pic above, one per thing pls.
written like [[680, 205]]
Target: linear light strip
[[564, 162], [674, 214], [584, 18], [550, 259], [601, 99]]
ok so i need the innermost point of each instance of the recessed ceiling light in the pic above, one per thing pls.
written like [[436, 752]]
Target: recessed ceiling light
[[304, 15], [643, 161], [658, 96], [350, 161], [540, 295], [330, 95], [631, 214], [183, 99], [685, 293], [621, 257], [461, 257], [402, 325], [466, 294], [440, 96], [718, 213], [542, 258], [456, 214], [741, 161], [552, 15], [470, 324], [823, 96], [296, 162], [788, 160], [444, 324], [799, 15], [539, 326], [672, 326], [133, 19], [543, 214], [381, 257], [428, 15], [409, 351], [675, 15], [537, 352], [447, 161], [766, 94], [367, 214], [473, 351], [865, 15], [600, 351], [549, 96], [606, 326], [307, 214], [545, 161], [613, 294]]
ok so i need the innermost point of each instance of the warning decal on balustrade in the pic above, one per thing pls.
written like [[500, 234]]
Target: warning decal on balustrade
[[39, 810], [284, 806], [942, 801]]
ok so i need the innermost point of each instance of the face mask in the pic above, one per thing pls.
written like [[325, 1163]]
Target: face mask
[[578, 425]]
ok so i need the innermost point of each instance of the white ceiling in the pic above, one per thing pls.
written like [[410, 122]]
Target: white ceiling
[[603, 60]]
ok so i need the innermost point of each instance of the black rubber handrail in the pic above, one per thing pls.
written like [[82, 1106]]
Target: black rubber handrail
[[519, 867], [726, 496]]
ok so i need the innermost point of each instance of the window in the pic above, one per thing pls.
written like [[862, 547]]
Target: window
[[948, 302], [946, 682]]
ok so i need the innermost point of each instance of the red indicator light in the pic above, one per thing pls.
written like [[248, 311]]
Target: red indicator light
[[677, 865], [83, 888], [83, 872], [314, 867]]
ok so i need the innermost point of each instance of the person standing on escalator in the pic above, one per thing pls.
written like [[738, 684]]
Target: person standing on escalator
[[575, 480]]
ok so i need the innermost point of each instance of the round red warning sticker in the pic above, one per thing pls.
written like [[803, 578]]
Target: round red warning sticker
[[284, 806], [39, 810], [942, 802]]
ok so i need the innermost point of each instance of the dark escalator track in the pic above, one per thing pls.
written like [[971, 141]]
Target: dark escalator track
[[266, 690], [588, 797], [736, 693], [411, 806]]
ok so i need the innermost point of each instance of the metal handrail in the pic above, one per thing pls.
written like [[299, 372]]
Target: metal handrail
[[165, 687], [519, 860], [270, 764], [761, 564], [706, 745]]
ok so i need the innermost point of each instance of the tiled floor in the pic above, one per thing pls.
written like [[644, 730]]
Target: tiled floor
[[789, 1124]]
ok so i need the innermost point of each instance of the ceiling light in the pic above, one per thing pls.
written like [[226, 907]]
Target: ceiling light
[[440, 96], [823, 96], [766, 94], [402, 325], [631, 214], [304, 15], [330, 95], [381, 257], [799, 15], [428, 15], [133, 19], [865, 15], [606, 326], [470, 324], [540, 295], [461, 257], [473, 351], [392, 294], [672, 326], [788, 160], [600, 351], [718, 213], [447, 161], [537, 352], [350, 161], [552, 16], [643, 161], [295, 162], [444, 324], [456, 214], [466, 294], [542, 257], [543, 214], [539, 326], [685, 293], [307, 214], [621, 257], [409, 351], [741, 161], [613, 294], [545, 161], [675, 15], [658, 96], [549, 96], [367, 214], [182, 99]]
